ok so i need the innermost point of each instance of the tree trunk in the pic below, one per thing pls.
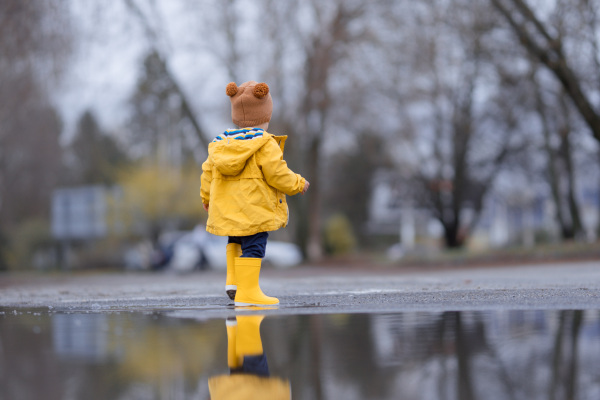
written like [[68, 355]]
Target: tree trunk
[[314, 247], [598, 201], [316, 354], [452, 237], [553, 174], [463, 356], [576, 227], [564, 370], [570, 173], [576, 322], [557, 356]]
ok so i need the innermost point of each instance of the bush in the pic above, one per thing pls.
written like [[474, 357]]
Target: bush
[[3, 252], [29, 239], [339, 237]]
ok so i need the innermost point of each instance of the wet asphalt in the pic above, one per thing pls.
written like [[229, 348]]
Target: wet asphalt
[[315, 290]]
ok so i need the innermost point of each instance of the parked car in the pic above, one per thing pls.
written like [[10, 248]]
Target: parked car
[[198, 249]]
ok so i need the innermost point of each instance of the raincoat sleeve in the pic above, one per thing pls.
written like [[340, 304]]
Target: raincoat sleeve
[[276, 171], [205, 180]]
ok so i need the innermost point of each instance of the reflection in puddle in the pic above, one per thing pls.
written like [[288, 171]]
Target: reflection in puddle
[[180, 355], [249, 376]]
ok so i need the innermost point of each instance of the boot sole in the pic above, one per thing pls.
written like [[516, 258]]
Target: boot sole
[[240, 304]]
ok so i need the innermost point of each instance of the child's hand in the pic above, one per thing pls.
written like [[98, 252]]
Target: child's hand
[[306, 185], [205, 206]]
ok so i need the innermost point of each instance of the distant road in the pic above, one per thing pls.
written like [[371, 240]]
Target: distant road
[[309, 290]]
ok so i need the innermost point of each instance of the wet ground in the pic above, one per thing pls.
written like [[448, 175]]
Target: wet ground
[[523, 332], [179, 354], [320, 290]]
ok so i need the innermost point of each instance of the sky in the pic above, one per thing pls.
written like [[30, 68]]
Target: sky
[[102, 68], [107, 57]]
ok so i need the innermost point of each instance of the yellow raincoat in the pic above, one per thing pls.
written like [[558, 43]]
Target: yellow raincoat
[[247, 387], [244, 182]]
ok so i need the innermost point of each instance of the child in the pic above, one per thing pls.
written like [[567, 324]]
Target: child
[[244, 183], [249, 376]]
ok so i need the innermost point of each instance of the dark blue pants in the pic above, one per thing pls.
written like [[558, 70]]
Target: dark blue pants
[[255, 365], [253, 246]]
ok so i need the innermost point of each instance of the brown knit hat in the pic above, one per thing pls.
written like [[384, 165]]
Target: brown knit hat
[[251, 103]]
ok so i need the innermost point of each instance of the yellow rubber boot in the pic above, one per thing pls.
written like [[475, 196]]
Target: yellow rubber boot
[[233, 361], [247, 271], [248, 341], [233, 250]]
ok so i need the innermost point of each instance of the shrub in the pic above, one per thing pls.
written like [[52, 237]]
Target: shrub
[[339, 237]]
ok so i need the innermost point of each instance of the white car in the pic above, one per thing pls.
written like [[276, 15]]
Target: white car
[[200, 248]]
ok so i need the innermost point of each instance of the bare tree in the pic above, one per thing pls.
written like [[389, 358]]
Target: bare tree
[[547, 43], [455, 144], [95, 155], [564, 44], [157, 121], [322, 47], [458, 117], [34, 43], [222, 25], [154, 41]]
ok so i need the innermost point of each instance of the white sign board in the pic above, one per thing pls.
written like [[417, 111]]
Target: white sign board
[[79, 213]]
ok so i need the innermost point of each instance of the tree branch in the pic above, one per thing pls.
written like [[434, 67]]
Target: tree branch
[[553, 58], [153, 39]]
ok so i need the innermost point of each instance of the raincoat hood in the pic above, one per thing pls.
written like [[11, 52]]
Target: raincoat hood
[[229, 155]]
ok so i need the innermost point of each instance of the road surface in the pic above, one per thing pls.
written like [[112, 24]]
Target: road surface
[[310, 290]]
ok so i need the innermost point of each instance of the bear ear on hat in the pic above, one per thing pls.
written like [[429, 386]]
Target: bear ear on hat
[[231, 89], [261, 90]]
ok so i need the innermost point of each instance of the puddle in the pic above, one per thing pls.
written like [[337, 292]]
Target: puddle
[[180, 354]]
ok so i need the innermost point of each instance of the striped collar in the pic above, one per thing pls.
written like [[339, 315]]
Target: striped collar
[[240, 134]]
